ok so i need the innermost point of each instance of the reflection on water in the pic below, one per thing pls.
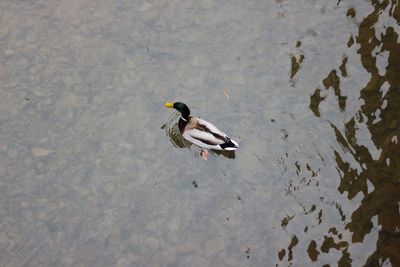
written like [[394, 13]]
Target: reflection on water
[[375, 171]]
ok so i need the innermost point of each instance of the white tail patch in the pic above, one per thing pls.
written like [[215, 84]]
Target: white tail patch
[[230, 148]]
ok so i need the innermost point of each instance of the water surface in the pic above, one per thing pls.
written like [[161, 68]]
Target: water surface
[[309, 89]]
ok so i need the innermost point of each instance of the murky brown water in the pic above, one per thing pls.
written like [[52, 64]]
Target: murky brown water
[[93, 173]]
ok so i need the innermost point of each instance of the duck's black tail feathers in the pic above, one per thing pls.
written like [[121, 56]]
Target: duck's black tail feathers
[[230, 145]]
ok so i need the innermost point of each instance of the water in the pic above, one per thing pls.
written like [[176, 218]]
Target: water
[[89, 175]]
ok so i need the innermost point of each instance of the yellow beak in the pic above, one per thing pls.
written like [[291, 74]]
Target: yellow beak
[[169, 105]]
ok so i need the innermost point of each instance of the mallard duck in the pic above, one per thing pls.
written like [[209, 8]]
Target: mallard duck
[[201, 132]]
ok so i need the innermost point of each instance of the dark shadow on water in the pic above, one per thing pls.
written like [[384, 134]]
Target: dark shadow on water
[[380, 112], [226, 154], [173, 134]]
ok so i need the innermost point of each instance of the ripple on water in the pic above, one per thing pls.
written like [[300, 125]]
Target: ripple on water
[[172, 131]]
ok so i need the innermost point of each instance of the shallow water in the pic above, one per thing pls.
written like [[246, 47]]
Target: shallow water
[[309, 89]]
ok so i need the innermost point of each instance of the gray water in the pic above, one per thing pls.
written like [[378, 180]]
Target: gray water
[[309, 89]]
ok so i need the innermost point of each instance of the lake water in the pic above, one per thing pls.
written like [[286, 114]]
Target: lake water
[[92, 174]]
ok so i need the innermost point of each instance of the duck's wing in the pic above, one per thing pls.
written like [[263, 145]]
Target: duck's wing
[[211, 128], [205, 134], [228, 143]]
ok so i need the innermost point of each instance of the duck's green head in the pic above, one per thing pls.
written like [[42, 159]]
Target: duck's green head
[[181, 107]]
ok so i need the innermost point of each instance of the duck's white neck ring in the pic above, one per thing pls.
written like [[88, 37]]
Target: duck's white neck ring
[[183, 119]]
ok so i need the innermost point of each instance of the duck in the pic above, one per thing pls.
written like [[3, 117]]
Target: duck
[[201, 132]]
